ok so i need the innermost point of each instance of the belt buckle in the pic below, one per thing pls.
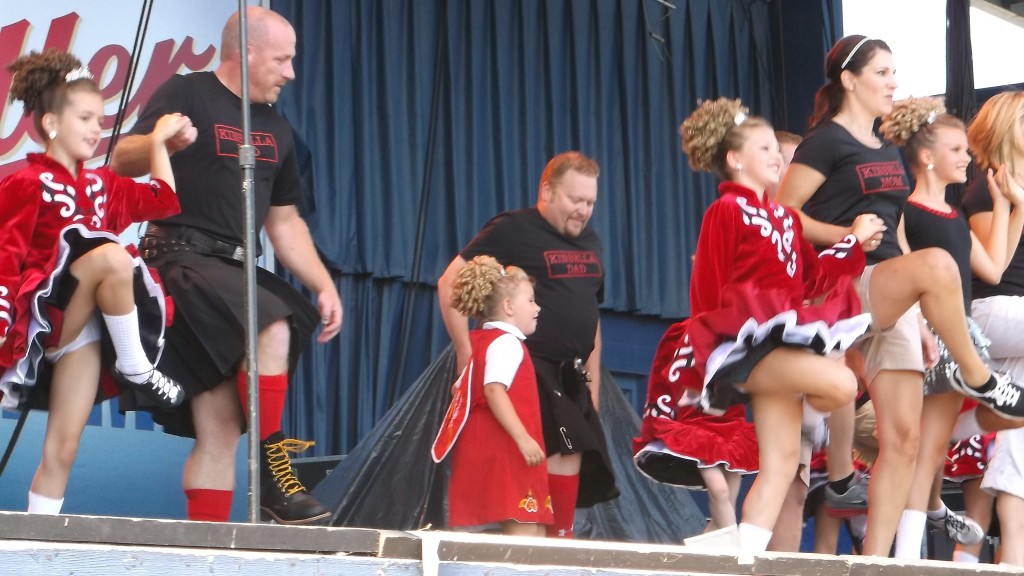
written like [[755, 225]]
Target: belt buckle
[[581, 369], [238, 254]]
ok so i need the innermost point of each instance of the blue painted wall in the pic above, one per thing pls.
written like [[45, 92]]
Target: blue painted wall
[[126, 467]]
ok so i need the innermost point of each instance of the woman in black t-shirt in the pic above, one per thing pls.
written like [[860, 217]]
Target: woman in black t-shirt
[[996, 137], [936, 149], [843, 169]]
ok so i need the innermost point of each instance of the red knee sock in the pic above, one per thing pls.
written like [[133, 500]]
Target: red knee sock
[[563, 501], [273, 390], [208, 505]]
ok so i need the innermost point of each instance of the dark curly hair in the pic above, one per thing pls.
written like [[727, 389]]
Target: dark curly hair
[[41, 81]]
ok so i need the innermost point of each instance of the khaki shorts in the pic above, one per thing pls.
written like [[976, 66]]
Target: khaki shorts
[[865, 435], [893, 348]]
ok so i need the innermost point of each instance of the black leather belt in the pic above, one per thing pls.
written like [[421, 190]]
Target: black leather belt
[[173, 238]]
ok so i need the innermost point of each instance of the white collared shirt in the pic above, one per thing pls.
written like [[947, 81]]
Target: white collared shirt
[[504, 355]]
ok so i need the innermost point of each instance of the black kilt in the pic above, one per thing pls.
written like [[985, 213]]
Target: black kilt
[[206, 341], [571, 426]]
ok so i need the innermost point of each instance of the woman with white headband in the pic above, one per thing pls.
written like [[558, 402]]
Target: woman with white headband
[[843, 169]]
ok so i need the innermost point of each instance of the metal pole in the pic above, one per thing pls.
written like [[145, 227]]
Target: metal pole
[[247, 163]]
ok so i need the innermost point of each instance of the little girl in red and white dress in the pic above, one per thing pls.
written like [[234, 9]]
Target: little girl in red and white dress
[[493, 426]]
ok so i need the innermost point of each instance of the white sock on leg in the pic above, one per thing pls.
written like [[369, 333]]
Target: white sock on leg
[[39, 504], [131, 358], [754, 538], [938, 514], [910, 535]]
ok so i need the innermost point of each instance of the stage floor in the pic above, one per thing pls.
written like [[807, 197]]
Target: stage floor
[[102, 546]]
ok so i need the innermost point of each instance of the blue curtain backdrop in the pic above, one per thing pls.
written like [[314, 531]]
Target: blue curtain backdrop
[[425, 118], [804, 31]]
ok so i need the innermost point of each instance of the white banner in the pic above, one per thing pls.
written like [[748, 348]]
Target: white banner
[[182, 36]]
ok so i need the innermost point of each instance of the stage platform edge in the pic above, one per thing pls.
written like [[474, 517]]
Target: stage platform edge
[[90, 545]]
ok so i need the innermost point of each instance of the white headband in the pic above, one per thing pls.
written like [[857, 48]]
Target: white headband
[[852, 52]]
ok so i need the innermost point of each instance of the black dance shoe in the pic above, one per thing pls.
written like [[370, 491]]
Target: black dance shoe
[[159, 390]]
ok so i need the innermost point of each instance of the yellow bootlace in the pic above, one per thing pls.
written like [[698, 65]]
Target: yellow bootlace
[[280, 464]]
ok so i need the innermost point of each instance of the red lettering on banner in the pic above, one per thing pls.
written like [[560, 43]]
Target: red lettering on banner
[[166, 60]]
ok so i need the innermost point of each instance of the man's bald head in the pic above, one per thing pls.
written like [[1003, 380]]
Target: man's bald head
[[258, 23]]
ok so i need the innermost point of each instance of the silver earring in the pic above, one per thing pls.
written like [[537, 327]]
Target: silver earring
[[931, 166], [52, 134], [739, 167]]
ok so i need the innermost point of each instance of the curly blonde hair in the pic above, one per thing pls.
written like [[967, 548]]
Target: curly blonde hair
[[482, 284], [913, 124], [714, 129], [39, 80]]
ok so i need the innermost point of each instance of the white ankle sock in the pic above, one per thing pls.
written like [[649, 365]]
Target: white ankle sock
[[131, 358], [965, 557], [938, 514], [910, 535], [754, 538], [39, 504]]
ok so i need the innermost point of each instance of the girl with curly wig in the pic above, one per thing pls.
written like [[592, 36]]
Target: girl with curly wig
[[493, 426], [840, 171], [753, 334], [936, 151], [66, 284]]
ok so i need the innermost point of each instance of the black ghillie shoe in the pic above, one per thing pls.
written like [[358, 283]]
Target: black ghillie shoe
[[158, 389]]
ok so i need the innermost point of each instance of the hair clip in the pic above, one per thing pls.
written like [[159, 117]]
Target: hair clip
[[80, 73], [739, 118], [931, 117], [503, 273]]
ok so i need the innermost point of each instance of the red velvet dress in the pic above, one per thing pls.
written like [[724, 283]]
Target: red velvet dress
[[753, 284], [490, 481], [51, 217]]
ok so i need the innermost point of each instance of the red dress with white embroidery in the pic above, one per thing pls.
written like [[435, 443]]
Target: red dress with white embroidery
[[757, 284], [51, 218], [490, 481]]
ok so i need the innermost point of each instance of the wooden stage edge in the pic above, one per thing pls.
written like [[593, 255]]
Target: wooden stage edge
[[91, 545]]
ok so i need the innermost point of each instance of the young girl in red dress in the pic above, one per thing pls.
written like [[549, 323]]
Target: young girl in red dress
[[66, 284], [493, 426], [753, 335]]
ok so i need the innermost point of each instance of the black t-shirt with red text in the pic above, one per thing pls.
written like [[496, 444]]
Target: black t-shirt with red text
[[858, 180], [568, 273], [206, 173]]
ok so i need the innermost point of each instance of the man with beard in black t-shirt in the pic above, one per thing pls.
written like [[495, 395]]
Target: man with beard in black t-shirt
[[552, 243], [198, 253]]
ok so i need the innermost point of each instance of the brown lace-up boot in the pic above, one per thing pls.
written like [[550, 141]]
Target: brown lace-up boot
[[282, 496]]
